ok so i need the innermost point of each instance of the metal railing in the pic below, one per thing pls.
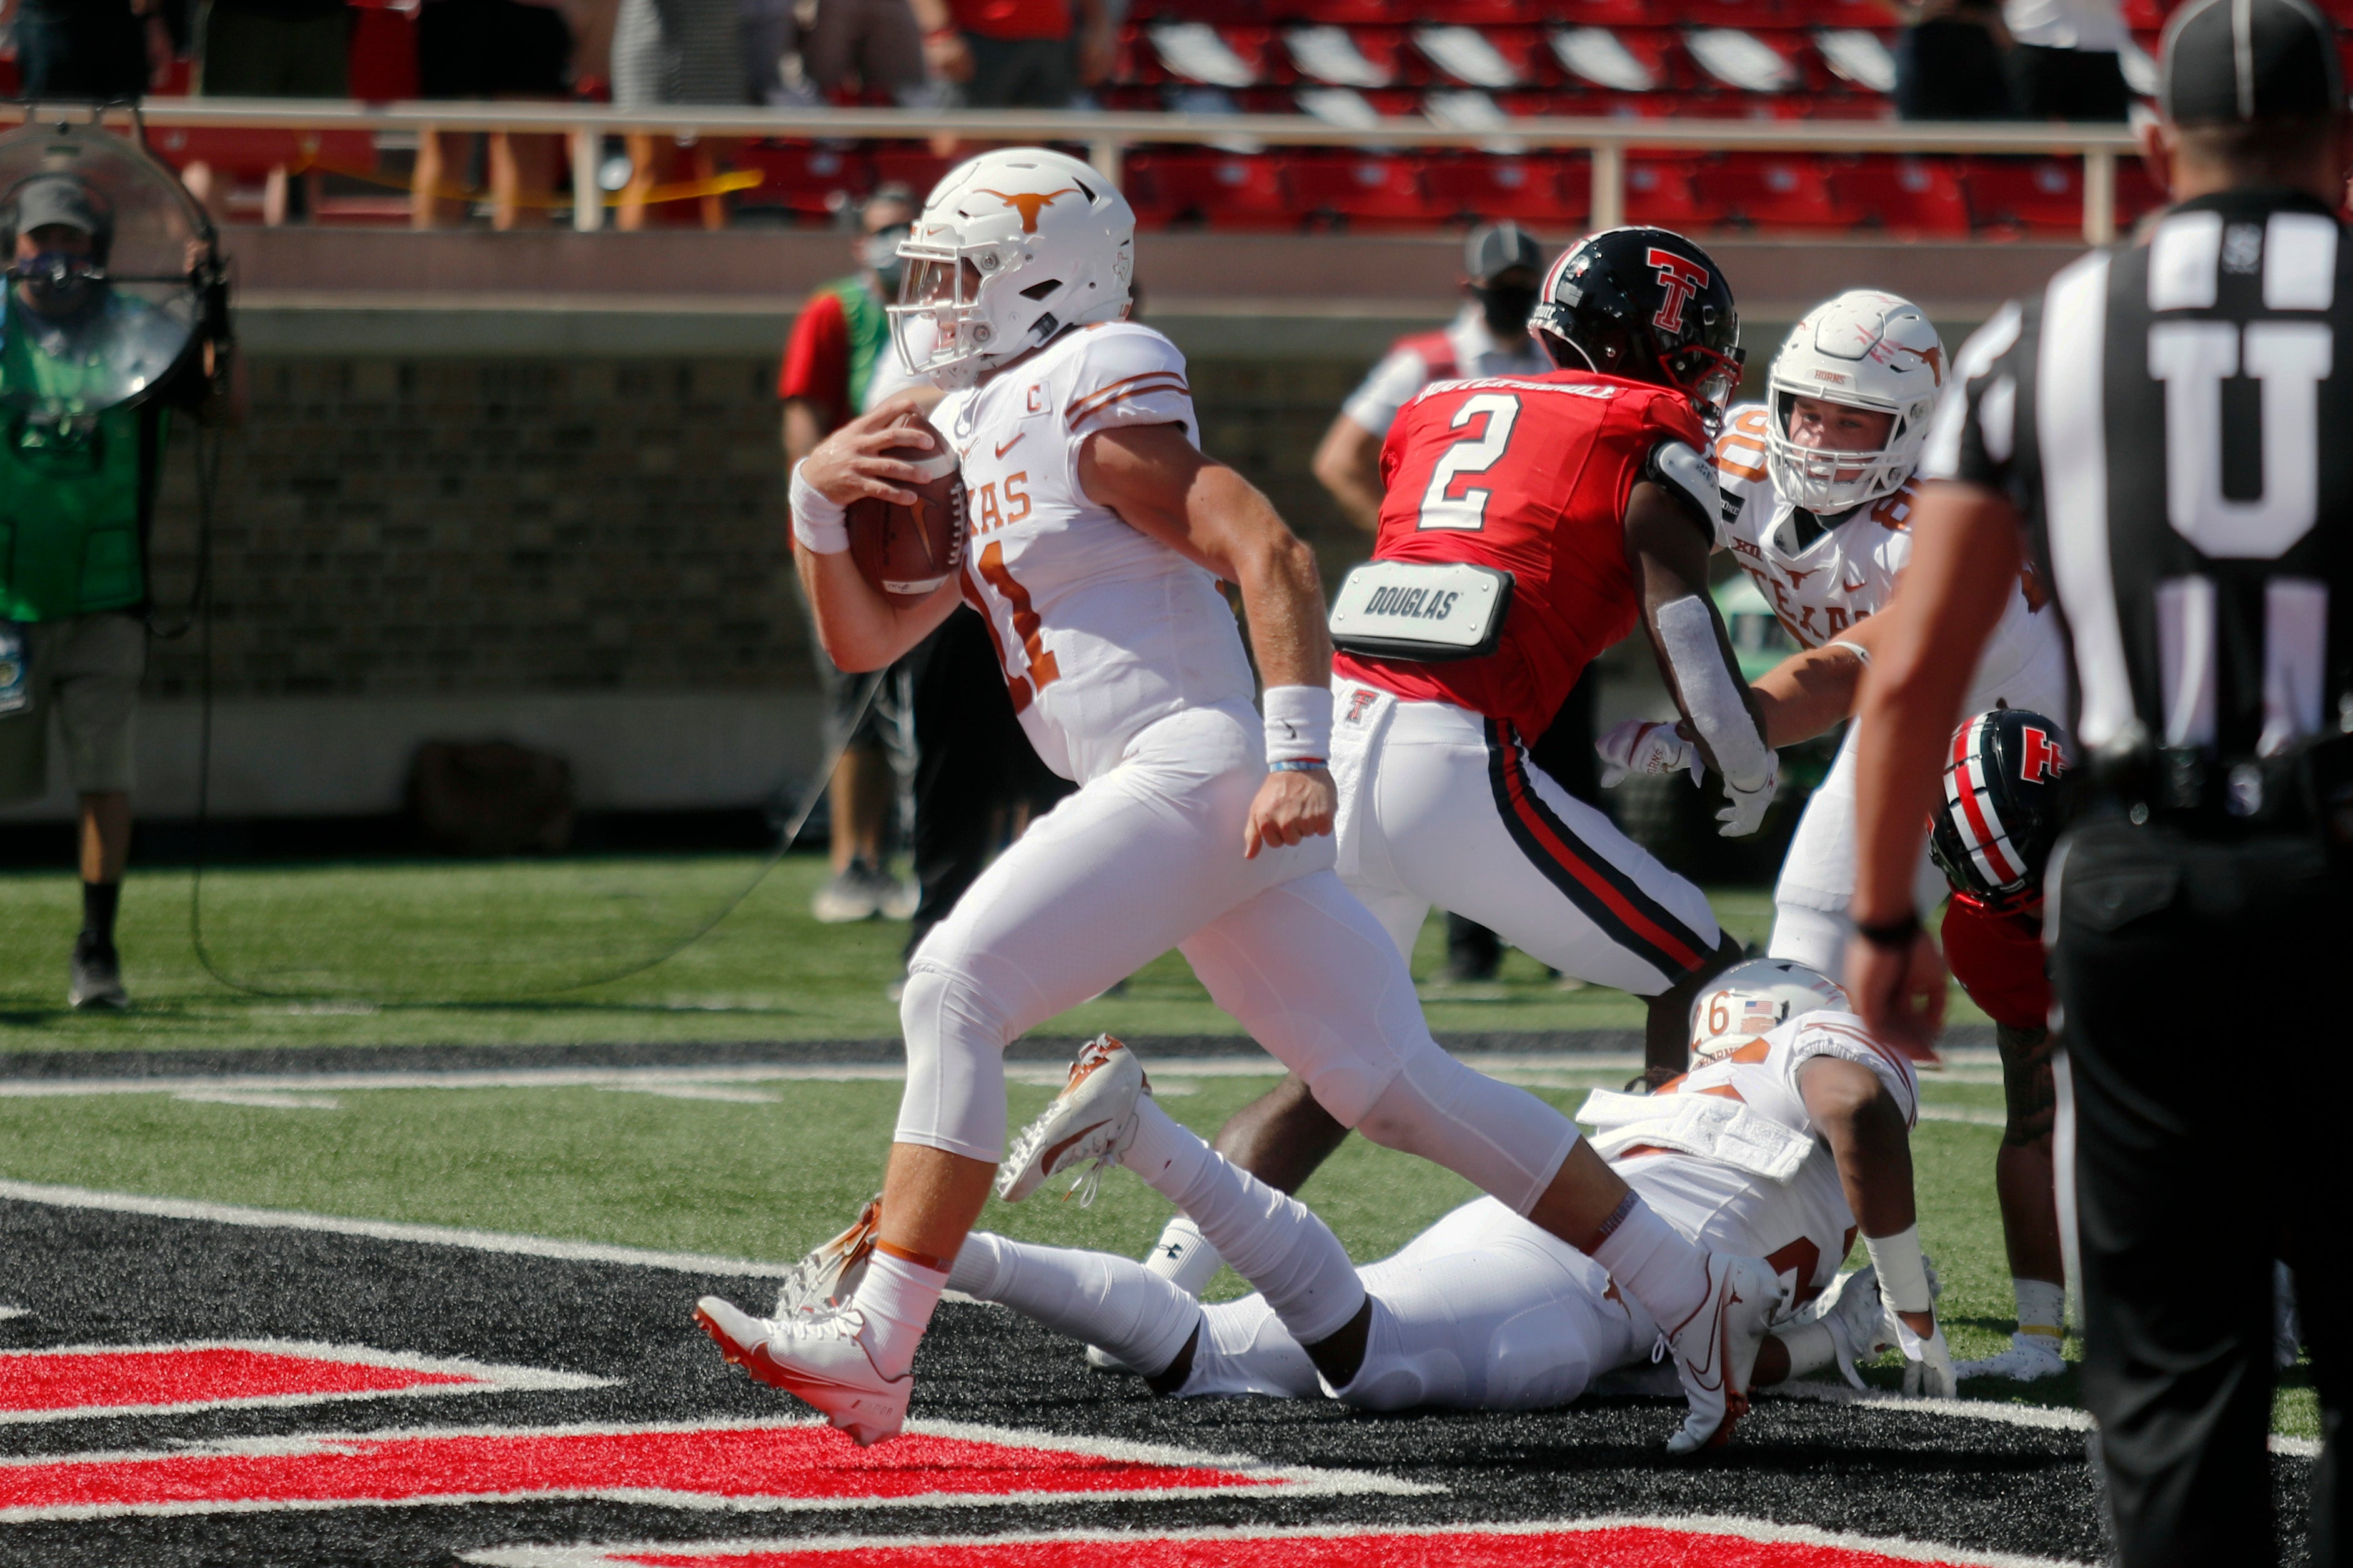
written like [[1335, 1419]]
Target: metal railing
[[1106, 136]]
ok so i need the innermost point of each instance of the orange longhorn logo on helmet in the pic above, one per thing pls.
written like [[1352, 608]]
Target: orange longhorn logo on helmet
[[1028, 204]]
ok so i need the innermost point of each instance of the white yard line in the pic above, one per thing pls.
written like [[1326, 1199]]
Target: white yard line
[[386, 1230], [263, 1099]]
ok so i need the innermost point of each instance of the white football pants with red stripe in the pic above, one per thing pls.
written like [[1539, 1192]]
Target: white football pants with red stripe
[[1440, 805], [1148, 857]]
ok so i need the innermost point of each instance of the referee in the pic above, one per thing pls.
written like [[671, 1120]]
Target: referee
[[2166, 433]]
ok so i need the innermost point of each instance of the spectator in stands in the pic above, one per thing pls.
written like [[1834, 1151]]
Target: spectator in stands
[[2064, 62], [96, 49], [675, 51], [870, 44], [1017, 54], [1502, 268], [1949, 60], [514, 49], [270, 48], [839, 356]]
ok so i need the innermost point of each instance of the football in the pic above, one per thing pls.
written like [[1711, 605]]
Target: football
[[907, 552]]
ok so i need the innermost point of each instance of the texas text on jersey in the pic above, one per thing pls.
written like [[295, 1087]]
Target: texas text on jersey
[[1530, 474], [1101, 629]]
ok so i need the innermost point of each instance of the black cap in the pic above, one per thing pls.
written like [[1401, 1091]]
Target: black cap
[[2249, 59], [59, 200], [1495, 248]]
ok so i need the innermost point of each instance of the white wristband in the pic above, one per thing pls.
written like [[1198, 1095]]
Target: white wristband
[[1298, 723], [1861, 653], [1903, 1273], [821, 527], [1687, 635]]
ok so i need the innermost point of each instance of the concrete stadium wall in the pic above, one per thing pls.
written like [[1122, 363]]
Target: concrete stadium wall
[[511, 486]]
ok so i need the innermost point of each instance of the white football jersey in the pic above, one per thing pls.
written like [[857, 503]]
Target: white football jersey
[[1802, 1228], [1848, 572], [1101, 630]]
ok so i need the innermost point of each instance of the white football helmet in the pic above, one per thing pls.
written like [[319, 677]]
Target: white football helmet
[[1865, 350], [1753, 999], [1011, 247]]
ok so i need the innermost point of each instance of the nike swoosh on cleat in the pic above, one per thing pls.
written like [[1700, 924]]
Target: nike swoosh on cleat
[[1046, 1162]]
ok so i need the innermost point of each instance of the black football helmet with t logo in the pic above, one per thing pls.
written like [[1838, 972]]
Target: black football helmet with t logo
[[1992, 832], [1644, 304]]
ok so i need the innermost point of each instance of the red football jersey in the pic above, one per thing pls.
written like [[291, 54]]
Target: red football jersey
[[1529, 474], [1997, 959]]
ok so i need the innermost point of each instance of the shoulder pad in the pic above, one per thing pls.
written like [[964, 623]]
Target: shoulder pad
[[1118, 368], [1686, 473]]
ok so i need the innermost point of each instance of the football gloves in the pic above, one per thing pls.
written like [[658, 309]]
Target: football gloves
[[1645, 746], [1748, 806]]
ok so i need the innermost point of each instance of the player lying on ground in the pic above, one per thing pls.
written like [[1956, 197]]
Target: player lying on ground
[[1098, 535], [1816, 494], [1483, 1309], [1590, 486]]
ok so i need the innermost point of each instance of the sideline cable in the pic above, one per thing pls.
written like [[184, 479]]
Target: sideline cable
[[200, 608]]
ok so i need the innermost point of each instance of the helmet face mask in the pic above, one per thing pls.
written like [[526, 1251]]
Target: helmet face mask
[[1011, 249], [1867, 350]]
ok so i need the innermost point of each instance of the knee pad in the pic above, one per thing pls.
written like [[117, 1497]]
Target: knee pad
[[1504, 1140], [955, 1099]]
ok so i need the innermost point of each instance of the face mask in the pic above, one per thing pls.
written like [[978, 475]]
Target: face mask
[[880, 253], [1506, 310], [57, 284]]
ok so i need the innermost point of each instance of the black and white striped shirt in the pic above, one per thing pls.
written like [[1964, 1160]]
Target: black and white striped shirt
[[2174, 421]]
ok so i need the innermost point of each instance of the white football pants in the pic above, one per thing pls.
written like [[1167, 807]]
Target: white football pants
[[1441, 805], [1817, 881], [1149, 857]]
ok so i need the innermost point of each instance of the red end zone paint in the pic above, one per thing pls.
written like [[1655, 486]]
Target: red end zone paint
[[752, 1465], [76, 1382]]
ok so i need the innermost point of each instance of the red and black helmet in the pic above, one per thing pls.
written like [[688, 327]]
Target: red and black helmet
[[2002, 812], [1644, 304]]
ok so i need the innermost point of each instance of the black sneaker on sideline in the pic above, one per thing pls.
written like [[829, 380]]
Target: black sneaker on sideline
[[96, 976]]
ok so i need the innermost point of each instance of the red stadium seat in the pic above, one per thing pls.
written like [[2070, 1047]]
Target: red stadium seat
[[1477, 12], [910, 164], [1728, 14], [1358, 186], [383, 53], [801, 177], [1657, 57], [1606, 13], [1868, 15], [1226, 56], [1343, 13], [1226, 189], [1771, 190], [1372, 57], [1660, 189], [1547, 190], [256, 152], [1510, 56], [2037, 195], [1748, 61], [1906, 195]]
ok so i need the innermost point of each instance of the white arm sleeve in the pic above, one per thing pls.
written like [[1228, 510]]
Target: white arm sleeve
[[1687, 634]]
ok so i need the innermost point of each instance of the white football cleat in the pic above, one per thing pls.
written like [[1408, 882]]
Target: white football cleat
[[819, 1361], [1716, 1348], [1092, 1119], [1850, 1309], [828, 1277], [2030, 1359]]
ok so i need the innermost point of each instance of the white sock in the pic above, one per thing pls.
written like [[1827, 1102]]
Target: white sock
[[2041, 1308], [1135, 1314], [1810, 1345], [1184, 1257], [1271, 1239], [1655, 1263], [896, 1298]]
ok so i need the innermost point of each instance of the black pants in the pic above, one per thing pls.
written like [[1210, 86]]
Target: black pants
[[1565, 753], [2202, 988], [81, 49], [1950, 70], [974, 767], [2068, 84]]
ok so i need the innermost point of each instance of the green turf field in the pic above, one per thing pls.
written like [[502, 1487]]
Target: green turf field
[[436, 953], [430, 954]]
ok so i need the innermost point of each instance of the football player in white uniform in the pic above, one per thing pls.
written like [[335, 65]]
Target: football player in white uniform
[[1791, 1124], [1098, 535], [1818, 496]]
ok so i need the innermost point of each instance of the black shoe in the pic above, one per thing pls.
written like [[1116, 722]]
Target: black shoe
[[97, 975]]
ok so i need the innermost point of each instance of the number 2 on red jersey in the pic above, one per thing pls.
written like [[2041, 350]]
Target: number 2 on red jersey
[[1472, 453]]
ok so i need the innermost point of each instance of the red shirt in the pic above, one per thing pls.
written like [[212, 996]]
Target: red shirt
[[1997, 959], [816, 360], [1013, 18], [1537, 471]]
